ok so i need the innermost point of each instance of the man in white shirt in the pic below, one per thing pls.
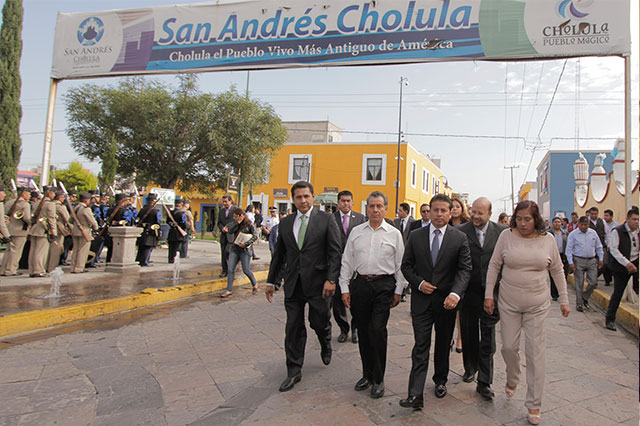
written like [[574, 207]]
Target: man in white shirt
[[373, 255], [270, 221]]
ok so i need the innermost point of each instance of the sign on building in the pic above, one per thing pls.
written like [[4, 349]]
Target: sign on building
[[233, 183], [280, 193], [165, 196]]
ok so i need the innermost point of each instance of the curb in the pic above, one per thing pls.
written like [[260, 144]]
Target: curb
[[25, 322], [626, 317]]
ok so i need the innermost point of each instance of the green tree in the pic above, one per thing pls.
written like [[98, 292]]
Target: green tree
[[76, 177], [109, 166], [10, 84], [174, 136]]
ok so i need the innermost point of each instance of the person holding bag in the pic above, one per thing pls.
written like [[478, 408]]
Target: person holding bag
[[243, 234]]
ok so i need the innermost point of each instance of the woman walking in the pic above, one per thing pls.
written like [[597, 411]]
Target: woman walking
[[527, 254], [243, 234]]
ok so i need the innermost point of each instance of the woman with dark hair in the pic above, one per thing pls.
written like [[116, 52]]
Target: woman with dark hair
[[526, 255], [243, 234], [459, 213], [503, 219]]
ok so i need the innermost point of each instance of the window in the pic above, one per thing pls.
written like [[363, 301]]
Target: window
[[374, 169], [412, 210], [433, 185], [413, 173], [425, 181], [438, 186], [299, 168]]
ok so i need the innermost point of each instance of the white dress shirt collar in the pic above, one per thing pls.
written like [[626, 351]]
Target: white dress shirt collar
[[307, 214], [342, 215]]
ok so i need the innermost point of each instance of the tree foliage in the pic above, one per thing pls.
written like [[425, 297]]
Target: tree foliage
[[109, 166], [76, 177], [10, 85], [174, 136]]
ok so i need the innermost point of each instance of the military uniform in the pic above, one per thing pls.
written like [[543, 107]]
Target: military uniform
[[175, 238], [43, 230], [87, 222], [64, 229], [149, 238], [18, 228], [120, 218], [4, 231]]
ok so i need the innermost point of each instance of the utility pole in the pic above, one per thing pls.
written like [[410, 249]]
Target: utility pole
[[513, 203], [403, 82]]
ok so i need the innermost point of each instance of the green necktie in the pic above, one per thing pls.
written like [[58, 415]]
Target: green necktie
[[302, 231]]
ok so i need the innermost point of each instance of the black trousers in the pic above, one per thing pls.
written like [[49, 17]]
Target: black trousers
[[340, 312], [224, 251], [295, 337], [173, 249], [620, 280], [478, 330], [554, 289], [370, 307], [444, 322], [144, 253]]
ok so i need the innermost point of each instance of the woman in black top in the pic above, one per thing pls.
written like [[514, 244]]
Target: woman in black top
[[240, 251]]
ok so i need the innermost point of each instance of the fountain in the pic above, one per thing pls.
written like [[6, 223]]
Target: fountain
[[56, 280], [176, 270]]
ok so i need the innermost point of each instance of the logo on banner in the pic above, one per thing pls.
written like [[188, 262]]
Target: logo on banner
[[90, 31], [574, 8]]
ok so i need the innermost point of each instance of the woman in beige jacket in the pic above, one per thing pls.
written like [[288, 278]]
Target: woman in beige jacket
[[526, 254]]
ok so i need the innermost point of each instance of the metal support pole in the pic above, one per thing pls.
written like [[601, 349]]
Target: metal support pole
[[48, 133], [403, 81], [513, 203], [628, 178]]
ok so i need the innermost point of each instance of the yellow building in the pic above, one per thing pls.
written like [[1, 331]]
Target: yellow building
[[359, 167]]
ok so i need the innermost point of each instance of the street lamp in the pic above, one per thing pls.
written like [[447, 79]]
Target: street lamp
[[403, 82]]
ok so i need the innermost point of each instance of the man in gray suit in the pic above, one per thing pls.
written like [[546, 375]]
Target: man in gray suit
[[403, 221], [347, 219], [309, 245], [479, 343]]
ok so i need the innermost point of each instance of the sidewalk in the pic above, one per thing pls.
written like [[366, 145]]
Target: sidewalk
[[212, 361]]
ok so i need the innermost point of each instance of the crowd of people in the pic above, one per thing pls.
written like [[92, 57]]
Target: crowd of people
[[452, 261], [42, 229]]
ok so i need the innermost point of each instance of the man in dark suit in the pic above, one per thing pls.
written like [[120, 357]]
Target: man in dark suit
[[437, 264], [225, 216], [597, 224], [425, 211], [479, 343], [309, 244], [346, 219], [403, 221]]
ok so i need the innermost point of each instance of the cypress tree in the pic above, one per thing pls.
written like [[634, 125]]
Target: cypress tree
[[10, 84]]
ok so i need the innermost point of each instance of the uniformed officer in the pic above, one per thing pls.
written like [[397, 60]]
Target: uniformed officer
[[5, 235], [19, 222], [131, 210], [43, 231], [68, 240], [119, 219], [64, 228], [149, 219], [86, 222], [191, 229], [175, 238]]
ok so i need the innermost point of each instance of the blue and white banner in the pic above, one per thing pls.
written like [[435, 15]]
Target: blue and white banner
[[278, 34]]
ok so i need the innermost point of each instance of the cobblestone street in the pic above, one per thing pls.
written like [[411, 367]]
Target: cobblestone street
[[213, 362]]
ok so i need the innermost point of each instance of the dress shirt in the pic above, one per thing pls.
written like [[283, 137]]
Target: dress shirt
[[342, 215], [270, 222], [298, 222], [614, 239], [584, 244], [373, 252], [482, 233], [423, 223], [607, 230], [403, 223], [432, 234], [559, 242]]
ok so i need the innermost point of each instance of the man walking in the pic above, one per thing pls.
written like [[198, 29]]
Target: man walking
[[309, 243], [623, 261], [424, 213], [225, 216], [64, 228], [437, 264], [561, 236], [371, 284], [609, 225], [403, 221], [479, 343], [19, 221], [585, 255], [346, 219], [43, 231], [86, 221]]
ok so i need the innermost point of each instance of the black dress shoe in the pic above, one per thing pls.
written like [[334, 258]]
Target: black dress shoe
[[485, 390], [403, 298], [468, 377], [362, 384], [342, 337], [37, 275], [586, 304], [354, 336], [325, 354], [610, 325], [222, 275], [377, 390], [579, 308], [441, 390], [458, 350], [289, 382], [415, 402]]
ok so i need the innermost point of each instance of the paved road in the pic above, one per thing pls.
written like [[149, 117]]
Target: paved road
[[219, 362]]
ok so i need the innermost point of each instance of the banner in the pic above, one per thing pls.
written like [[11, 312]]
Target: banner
[[277, 34]]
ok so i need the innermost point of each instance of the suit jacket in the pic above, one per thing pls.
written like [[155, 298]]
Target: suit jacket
[[317, 261], [407, 228], [416, 224], [600, 230], [19, 227], [480, 256], [450, 273], [355, 219], [48, 214], [224, 220]]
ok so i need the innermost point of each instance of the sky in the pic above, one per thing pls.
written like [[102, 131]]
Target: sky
[[477, 117]]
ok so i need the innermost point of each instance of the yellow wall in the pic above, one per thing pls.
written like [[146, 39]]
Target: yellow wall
[[339, 165]]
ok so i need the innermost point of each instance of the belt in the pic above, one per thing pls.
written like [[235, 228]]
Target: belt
[[372, 277], [588, 258]]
